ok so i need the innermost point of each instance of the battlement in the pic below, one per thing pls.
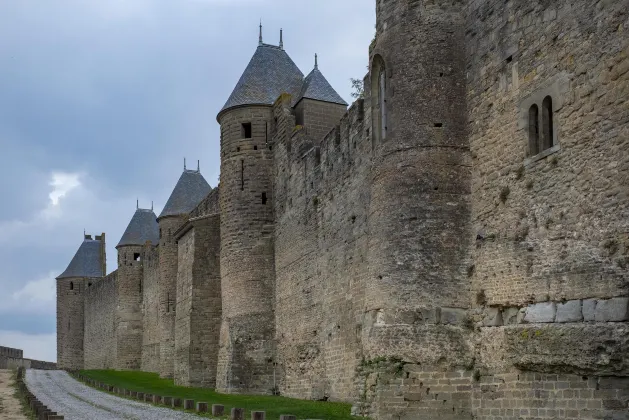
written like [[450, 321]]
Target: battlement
[[11, 352]]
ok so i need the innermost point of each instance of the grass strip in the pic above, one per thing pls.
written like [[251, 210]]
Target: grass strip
[[274, 406]]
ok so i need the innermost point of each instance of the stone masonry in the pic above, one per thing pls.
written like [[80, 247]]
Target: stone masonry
[[452, 245]]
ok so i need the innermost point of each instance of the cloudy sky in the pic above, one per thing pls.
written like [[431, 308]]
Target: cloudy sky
[[100, 101]]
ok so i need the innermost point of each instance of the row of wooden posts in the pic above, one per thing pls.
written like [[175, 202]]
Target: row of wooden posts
[[40, 411], [174, 402]]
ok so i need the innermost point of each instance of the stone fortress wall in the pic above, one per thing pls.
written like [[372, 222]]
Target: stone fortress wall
[[439, 253], [11, 358]]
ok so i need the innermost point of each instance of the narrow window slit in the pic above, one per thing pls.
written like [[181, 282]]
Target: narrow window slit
[[242, 175]]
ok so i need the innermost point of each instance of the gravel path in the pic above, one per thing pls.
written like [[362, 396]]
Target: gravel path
[[65, 395]]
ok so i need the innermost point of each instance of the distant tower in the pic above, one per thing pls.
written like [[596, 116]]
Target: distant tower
[[419, 213], [142, 227], [89, 263], [247, 355], [188, 193]]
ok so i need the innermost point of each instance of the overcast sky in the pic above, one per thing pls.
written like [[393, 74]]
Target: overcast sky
[[100, 101]]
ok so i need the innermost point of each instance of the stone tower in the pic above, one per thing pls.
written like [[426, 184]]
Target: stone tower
[[246, 355], [420, 184], [88, 264], [189, 191], [142, 227]]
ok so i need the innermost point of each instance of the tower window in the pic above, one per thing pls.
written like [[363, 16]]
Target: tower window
[[71, 285], [263, 198], [136, 256], [534, 130], [547, 123], [246, 130]]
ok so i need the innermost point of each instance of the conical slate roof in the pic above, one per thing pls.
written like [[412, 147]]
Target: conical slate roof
[[142, 227], [188, 193], [270, 73], [317, 87], [86, 261]]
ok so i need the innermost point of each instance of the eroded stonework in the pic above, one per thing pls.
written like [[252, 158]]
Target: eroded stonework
[[454, 246]]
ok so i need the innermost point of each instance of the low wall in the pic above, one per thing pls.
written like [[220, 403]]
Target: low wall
[[11, 358]]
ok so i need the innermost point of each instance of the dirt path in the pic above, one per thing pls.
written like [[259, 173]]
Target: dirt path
[[10, 408]]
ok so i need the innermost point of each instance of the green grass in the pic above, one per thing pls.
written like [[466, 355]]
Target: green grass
[[151, 383]]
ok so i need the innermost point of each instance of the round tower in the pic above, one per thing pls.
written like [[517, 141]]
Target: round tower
[[420, 209], [187, 194], [88, 264], [142, 227], [247, 354]]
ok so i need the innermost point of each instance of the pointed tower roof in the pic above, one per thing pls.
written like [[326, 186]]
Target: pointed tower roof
[[86, 261], [188, 193], [270, 73], [317, 87], [142, 227]]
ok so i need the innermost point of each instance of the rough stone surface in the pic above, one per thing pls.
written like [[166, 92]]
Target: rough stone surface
[[493, 318], [453, 316], [589, 309], [540, 312], [569, 311], [615, 309]]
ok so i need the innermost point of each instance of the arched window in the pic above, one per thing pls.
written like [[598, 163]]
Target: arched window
[[533, 130], [71, 285], [547, 123], [379, 98]]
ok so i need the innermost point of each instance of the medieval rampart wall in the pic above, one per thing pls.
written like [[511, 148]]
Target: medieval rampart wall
[[100, 349], [320, 249], [150, 310], [198, 319]]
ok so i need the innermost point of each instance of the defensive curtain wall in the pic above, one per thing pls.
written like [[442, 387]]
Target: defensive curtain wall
[[453, 246], [14, 358]]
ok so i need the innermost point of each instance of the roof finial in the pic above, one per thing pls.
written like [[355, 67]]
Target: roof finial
[[281, 38], [316, 61], [151, 205], [198, 165], [184, 164], [137, 203], [260, 38]]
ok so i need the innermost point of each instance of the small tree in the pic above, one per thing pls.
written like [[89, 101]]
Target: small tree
[[358, 85]]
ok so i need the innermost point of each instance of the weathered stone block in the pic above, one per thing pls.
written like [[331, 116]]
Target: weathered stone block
[[167, 401], [177, 402], [493, 317], [237, 414], [569, 311], [615, 309], [288, 417], [218, 409], [140, 396], [157, 399], [453, 316], [188, 404], [202, 407], [540, 312], [510, 316], [589, 309]]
